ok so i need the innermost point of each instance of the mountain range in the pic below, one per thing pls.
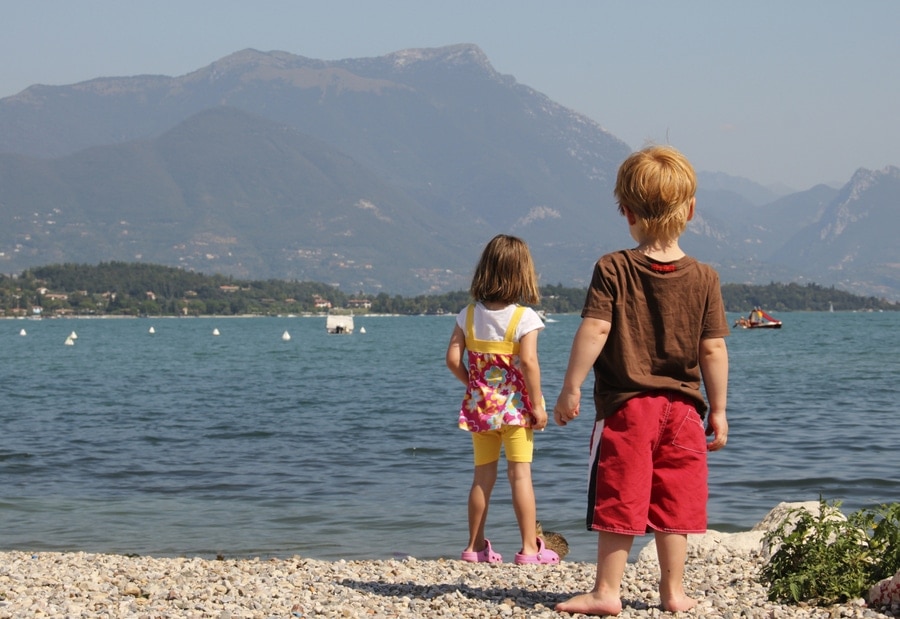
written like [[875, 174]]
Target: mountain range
[[380, 174]]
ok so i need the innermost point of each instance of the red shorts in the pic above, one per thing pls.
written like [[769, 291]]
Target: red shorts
[[648, 468]]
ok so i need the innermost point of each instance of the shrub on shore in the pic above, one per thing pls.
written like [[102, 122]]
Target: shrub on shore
[[827, 558]]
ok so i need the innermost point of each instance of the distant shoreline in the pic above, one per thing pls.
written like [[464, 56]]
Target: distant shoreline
[[213, 316], [355, 315]]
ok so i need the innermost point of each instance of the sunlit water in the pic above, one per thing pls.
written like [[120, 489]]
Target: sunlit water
[[181, 442]]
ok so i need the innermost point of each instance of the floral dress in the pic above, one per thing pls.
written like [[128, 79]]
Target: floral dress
[[496, 394]]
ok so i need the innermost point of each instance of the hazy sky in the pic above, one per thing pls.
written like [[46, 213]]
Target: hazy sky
[[796, 92]]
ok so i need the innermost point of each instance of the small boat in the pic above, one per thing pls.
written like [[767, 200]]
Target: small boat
[[545, 318], [339, 323], [758, 319]]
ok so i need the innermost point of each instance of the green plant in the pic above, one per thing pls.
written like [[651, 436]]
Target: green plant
[[826, 558], [885, 541], [820, 558]]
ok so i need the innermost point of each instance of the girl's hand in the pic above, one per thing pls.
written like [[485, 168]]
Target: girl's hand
[[540, 418]]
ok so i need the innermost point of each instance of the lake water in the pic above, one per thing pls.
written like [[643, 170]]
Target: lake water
[[181, 442]]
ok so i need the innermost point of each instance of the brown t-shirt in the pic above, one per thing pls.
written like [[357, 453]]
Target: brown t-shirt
[[659, 312]]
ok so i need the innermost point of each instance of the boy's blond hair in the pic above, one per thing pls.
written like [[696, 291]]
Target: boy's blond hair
[[505, 273], [657, 184]]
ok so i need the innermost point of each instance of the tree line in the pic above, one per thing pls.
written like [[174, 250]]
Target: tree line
[[138, 289]]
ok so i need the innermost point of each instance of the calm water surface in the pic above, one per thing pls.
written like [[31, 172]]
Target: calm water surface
[[181, 442]]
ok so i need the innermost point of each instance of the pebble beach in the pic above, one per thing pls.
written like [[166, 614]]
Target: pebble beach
[[77, 584]]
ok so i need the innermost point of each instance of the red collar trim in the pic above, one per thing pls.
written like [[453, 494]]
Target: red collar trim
[[663, 268]]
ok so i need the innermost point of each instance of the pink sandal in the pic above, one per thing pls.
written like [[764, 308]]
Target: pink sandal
[[483, 556], [544, 556]]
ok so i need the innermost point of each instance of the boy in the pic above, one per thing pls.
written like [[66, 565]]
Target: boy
[[653, 325]]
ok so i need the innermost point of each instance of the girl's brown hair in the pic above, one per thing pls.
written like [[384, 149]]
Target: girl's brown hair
[[505, 273]]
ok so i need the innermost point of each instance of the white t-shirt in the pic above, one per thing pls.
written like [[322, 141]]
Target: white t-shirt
[[491, 324]]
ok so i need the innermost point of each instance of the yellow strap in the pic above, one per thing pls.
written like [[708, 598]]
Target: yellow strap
[[470, 322], [514, 323], [503, 347]]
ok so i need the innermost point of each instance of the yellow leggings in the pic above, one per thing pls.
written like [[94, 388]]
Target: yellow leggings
[[517, 442]]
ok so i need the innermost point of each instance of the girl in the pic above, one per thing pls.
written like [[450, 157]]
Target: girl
[[503, 401]]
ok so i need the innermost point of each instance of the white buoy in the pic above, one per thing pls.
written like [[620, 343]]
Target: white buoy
[[22, 332], [286, 336], [152, 330], [73, 335], [362, 329], [215, 332], [70, 341]]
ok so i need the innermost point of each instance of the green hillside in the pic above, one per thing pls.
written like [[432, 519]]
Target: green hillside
[[137, 289]]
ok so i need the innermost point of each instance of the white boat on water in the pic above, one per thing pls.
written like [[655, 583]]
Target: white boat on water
[[544, 317], [339, 323]]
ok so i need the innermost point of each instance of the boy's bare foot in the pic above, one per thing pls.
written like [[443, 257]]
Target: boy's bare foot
[[678, 603], [591, 603]]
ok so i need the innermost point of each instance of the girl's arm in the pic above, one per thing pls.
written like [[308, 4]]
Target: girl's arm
[[586, 347], [456, 355], [531, 372]]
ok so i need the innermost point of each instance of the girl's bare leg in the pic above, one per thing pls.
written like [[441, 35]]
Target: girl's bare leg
[[603, 599], [479, 501], [671, 549], [524, 504]]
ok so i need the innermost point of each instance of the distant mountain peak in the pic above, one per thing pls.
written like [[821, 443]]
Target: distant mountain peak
[[863, 178], [249, 58], [253, 66], [855, 202], [465, 54], [862, 181]]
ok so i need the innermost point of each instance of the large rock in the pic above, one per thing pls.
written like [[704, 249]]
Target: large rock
[[716, 544], [886, 592], [782, 511], [713, 545]]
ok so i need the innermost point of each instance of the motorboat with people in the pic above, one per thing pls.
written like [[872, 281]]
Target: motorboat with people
[[758, 319]]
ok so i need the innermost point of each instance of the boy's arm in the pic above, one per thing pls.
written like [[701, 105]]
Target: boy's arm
[[714, 368], [531, 372], [456, 355], [586, 347]]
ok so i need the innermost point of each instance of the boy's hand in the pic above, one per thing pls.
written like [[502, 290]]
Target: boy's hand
[[717, 427], [568, 405]]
